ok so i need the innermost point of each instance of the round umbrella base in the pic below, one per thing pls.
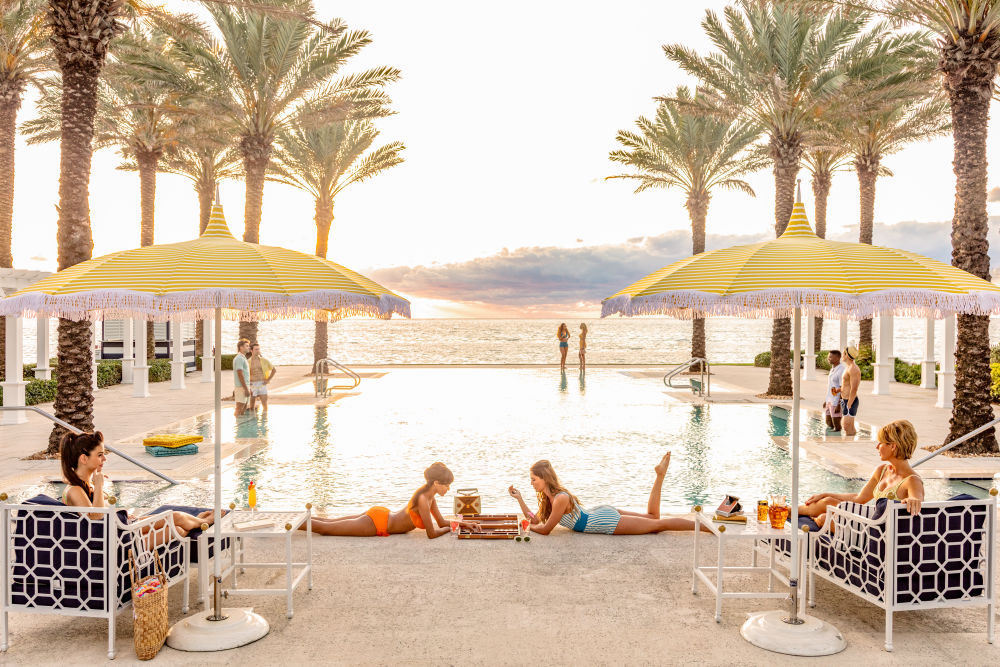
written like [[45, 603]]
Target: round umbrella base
[[197, 633], [812, 637]]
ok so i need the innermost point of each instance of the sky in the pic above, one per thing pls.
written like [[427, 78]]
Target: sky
[[508, 113]]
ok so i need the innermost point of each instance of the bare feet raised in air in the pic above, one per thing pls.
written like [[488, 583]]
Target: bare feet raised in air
[[661, 467]]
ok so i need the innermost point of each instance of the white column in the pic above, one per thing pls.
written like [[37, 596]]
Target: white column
[[946, 376], [42, 351], [809, 370], [928, 365], [842, 344], [207, 359], [140, 375], [885, 368], [13, 385], [95, 347], [128, 351], [176, 355]]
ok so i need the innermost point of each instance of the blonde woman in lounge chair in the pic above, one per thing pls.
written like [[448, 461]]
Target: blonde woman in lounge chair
[[557, 506], [894, 479]]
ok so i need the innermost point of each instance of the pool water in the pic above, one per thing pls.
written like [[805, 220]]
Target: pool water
[[603, 433]]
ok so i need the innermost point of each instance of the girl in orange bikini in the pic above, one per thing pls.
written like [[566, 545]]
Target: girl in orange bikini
[[421, 512]]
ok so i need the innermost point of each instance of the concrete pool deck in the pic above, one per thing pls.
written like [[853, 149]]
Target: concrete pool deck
[[562, 599]]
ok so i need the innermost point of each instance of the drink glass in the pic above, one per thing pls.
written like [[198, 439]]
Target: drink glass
[[778, 513], [454, 526], [762, 511], [252, 497]]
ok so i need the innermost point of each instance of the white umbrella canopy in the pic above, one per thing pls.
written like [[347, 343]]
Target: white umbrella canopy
[[794, 274], [216, 276]]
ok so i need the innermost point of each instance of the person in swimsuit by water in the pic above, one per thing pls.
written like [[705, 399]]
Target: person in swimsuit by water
[[850, 381], [583, 346], [894, 479], [421, 512], [563, 335], [557, 506], [82, 459]]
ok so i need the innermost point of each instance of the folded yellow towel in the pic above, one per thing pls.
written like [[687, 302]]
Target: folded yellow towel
[[171, 440]]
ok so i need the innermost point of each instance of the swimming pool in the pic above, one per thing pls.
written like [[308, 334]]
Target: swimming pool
[[602, 432]]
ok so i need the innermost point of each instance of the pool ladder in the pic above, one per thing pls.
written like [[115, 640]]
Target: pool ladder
[[323, 373], [702, 386]]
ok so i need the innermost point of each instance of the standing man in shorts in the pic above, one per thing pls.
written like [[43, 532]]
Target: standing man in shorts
[[261, 372], [831, 409], [241, 377], [851, 381]]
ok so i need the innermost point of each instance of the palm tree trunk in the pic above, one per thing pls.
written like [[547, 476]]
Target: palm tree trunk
[[697, 206], [206, 191], [256, 152], [75, 398], [867, 167], [787, 154], [147, 206], [8, 132], [970, 95], [324, 221], [821, 184]]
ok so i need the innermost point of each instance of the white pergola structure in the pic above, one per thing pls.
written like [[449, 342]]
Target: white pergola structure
[[930, 378], [12, 280]]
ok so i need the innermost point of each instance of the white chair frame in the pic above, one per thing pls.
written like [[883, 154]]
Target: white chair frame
[[178, 549], [847, 527]]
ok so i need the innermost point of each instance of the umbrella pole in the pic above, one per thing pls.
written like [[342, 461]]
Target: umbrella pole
[[778, 630], [221, 629]]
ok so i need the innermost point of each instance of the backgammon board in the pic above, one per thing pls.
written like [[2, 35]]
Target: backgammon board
[[495, 527]]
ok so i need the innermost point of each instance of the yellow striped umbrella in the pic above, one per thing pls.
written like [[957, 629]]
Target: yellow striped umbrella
[[801, 273], [190, 280], [801, 270]]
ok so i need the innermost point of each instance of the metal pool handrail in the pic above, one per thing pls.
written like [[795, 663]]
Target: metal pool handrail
[[705, 389], [321, 371], [957, 441], [73, 429]]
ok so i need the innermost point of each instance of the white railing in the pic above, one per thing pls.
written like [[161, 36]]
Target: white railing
[[704, 386]]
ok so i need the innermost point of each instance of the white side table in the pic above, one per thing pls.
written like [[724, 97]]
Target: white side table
[[283, 526], [762, 540]]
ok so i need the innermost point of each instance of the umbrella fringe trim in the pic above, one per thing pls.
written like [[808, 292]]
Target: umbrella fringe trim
[[319, 305], [686, 304]]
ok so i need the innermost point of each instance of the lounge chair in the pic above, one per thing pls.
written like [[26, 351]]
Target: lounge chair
[[57, 561], [941, 558]]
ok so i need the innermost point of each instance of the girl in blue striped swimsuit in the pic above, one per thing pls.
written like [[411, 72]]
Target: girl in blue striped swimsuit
[[556, 505]]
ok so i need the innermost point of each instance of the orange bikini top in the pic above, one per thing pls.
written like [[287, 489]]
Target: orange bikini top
[[415, 518]]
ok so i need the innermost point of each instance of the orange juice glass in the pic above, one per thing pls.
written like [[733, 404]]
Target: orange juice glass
[[778, 514]]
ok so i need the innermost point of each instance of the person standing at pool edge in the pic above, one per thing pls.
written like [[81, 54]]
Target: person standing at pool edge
[[851, 381], [583, 346], [563, 335], [261, 372], [831, 409], [241, 377]]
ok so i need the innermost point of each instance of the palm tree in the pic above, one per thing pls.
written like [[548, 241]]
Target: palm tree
[[254, 79], [778, 65], [696, 153], [81, 33], [24, 57], [822, 163], [323, 160]]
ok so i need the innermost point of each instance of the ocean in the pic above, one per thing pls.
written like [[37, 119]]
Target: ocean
[[533, 341]]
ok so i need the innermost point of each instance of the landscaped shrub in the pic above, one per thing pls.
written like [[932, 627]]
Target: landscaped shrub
[[908, 373], [995, 354], [995, 382], [763, 360], [159, 370], [109, 372], [227, 362], [37, 391]]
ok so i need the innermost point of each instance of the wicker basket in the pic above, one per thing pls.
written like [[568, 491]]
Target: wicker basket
[[149, 611]]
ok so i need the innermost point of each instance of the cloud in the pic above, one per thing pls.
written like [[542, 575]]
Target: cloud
[[546, 279]]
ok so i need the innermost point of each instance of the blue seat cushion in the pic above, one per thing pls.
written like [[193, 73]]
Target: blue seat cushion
[[195, 534]]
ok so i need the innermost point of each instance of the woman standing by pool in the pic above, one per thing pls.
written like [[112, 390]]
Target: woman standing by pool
[[421, 512], [557, 506], [583, 346], [563, 335]]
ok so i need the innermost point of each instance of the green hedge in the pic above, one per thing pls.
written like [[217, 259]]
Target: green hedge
[[37, 391], [904, 372], [763, 360], [109, 373], [159, 370], [227, 362]]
